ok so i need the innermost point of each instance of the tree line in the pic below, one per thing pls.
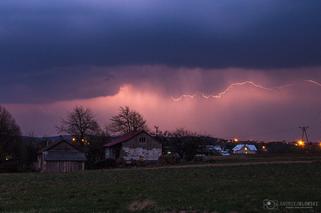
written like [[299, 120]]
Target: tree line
[[80, 124], [86, 133]]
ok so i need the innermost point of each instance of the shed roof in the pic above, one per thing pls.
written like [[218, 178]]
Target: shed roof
[[124, 138], [57, 143], [73, 154]]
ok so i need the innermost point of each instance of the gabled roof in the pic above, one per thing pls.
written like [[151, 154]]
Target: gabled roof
[[249, 146], [57, 143], [124, 138]]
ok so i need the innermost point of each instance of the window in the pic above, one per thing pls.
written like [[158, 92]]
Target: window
[[142, 139]]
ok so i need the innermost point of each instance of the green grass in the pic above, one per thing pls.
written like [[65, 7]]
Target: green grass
[[221, 189]]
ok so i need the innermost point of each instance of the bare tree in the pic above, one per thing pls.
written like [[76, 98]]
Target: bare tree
[[80, 123], [127, 121], [9, 135]]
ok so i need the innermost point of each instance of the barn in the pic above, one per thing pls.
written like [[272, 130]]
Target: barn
[[135, 146], [244, 149], [61, 157]]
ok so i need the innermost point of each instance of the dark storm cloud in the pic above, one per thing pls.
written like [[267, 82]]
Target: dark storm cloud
[[38, 40], [238, 33]]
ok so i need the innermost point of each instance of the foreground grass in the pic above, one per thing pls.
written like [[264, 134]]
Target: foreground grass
[[221, 189]]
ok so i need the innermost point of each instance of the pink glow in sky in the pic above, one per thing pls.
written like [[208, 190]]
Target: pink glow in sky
[[243, 68], [243, 109]]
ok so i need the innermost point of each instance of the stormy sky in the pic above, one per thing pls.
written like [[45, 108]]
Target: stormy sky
[[239, 68]]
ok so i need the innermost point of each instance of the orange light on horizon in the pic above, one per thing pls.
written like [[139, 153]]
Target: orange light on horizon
[[300, 143], [235, 140]]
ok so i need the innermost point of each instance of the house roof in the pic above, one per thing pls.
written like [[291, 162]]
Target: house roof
[[124, 138], [57, 143], [249, 146], [64, 156]]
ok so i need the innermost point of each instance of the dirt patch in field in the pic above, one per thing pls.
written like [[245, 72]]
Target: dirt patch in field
[[140, 205]]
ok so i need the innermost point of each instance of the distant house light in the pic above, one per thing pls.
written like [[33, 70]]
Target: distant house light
[[300, 143]]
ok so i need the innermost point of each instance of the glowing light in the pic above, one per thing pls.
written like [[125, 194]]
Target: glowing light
[[300, 143], [235, 140]]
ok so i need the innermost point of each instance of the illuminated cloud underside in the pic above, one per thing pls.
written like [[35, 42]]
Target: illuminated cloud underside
[[242, 110]]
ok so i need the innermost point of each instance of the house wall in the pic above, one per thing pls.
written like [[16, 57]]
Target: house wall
[[62, 166], [142, 147], [243, 151]]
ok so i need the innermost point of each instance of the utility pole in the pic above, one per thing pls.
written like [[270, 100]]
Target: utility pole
[[304, 133]]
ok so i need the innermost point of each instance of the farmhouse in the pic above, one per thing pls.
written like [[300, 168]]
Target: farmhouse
[[61, 157], [244, 149], [133, 147]]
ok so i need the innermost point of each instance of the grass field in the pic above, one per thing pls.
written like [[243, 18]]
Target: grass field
[[220, 189]]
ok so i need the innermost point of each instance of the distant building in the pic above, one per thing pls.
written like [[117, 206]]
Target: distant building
[[244, 149], [133, 147], [216, 149], [61, 157]]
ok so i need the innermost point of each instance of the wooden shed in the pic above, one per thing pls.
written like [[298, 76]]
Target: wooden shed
[[61, 157]]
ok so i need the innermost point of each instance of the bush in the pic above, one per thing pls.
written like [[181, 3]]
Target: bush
[[169, 159], [105, 164], [8, 166]]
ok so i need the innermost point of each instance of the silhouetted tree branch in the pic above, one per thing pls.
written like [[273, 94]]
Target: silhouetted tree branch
[[127, 121], [80, 123]]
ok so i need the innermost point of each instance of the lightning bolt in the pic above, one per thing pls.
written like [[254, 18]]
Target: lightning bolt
[[221, 94], [182, 97], [230, 87], [313, 82]]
